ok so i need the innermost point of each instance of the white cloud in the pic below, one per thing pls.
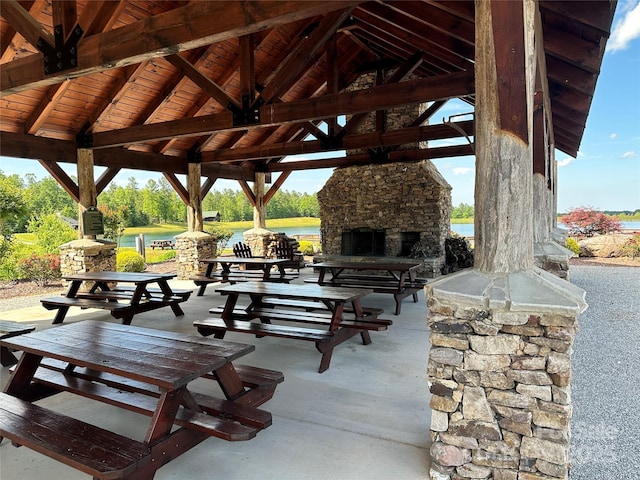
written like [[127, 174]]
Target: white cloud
[[565, 162], [630, 154], [613, 135], [626, 29], [462, 170]]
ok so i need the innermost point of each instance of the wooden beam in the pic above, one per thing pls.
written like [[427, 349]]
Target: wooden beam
[[184, 28], [248, 192], [11, 42], [509, 47], [349, 103], [106, 177], [397, 156], [247, 71], [363, 140], [177, 186], [62, 178], [276, 186], [64, 13], [20, 145], [209, 87], [27, 26], [300, 56]]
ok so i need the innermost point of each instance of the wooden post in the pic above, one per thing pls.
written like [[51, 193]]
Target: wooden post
[[86, 186], [260, 209], [504, 66], [194, 207]]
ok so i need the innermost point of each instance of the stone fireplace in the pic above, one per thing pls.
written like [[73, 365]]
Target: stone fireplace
[[394, 210]]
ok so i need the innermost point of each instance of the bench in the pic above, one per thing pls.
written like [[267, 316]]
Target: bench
[[324, 340], [162, 244], [11, 329], [85, 447], [154, 291], [118, 310], [377, 284], [289, 251], [224, 419]]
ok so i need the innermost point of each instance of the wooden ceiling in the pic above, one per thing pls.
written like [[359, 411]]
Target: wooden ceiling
[[237, 86]]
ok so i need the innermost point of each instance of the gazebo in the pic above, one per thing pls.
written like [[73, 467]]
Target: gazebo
[[227, 90]]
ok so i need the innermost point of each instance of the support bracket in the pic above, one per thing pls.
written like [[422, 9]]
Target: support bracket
[[63, 55], [84, 139], [247, 115]]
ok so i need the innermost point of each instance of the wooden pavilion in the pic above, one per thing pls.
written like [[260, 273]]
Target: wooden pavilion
[[229, 89]]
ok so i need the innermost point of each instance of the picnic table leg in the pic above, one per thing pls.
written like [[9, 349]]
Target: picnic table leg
[[61, 313], [7, 358], [326, 348]]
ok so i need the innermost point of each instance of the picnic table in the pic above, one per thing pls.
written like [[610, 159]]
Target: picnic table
[[396, 278], [327, 316], [162, 244], [137, 369], [256, 269], [124, 294]]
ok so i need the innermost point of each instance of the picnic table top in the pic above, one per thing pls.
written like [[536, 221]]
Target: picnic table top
[[307, 291]]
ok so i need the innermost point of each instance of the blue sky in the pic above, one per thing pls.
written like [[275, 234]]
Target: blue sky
[[604, 175]]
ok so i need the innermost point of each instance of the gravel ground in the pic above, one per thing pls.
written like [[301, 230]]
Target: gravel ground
[[605, 442]]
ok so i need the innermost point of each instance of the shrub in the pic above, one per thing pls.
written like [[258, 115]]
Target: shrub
[[40, 268], [306, 247], [632, 247], [129, 261], [587, 221], [222, 236], [572, 245]]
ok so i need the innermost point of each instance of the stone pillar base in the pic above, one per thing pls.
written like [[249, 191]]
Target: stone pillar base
[[553, 258], [499, 374], [79, 256], [191, 249], [261, 241]]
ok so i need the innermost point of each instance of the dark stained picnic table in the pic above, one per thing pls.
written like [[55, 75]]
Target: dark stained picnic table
[[134, 293], [138, 369], [328, 324], [261, 266], [398, 279]]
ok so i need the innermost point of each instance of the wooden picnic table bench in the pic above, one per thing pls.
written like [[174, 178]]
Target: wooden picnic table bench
[[327, 327], [395, 278], [123, 301], [149, 373]]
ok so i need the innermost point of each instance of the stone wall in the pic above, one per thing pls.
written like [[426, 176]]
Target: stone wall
[[79, 256], [191, 249], [399, 197], [499, 374]]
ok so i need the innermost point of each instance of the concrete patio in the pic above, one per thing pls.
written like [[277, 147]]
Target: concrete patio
[[366, 417]]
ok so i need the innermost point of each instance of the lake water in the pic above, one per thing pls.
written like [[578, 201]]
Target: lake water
[[464, 229]]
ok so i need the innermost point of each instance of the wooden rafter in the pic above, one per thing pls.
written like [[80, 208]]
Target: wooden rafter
[[202, 23], [381, 97]]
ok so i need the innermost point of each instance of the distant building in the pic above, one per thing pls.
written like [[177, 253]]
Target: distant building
[[211, 216]]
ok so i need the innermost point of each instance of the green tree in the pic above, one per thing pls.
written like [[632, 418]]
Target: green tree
[[114, 222], [47, 196], [51, 232]]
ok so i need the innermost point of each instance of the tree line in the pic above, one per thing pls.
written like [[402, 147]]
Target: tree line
[[155, 202]]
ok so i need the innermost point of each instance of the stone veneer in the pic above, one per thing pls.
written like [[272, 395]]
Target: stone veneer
[[79, 256], [399, 197], [499, 373], [191, 249]]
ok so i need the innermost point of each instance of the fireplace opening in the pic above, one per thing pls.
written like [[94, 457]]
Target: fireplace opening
[[407, 241], [363, 241]]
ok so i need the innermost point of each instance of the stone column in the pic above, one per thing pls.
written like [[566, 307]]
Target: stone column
[[191, 249], [87, 255], [502, 333]]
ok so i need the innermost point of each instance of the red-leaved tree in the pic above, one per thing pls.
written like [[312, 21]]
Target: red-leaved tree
[[587, 221]]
